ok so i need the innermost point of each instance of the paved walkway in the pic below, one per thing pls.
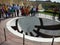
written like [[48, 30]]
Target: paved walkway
[[15, 40]]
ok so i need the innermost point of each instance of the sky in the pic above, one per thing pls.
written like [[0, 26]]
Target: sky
[[51, 0], [55, 0]]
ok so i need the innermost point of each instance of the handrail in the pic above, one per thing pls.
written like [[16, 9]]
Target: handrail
[[52, 41], [5, 34], [23, 38]]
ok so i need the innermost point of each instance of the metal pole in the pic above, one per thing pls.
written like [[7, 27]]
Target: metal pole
[[23, 38], [5, 35], [0, 20], [52, 41]]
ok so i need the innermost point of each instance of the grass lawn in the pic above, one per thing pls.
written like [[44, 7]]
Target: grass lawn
[[47, 13]]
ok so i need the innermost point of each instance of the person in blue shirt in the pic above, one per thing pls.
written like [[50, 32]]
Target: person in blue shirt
[[17, 9], [33, 11], [14, 9]]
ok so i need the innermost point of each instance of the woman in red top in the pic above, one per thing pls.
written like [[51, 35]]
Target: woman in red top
[[27, 11], [22, 11]]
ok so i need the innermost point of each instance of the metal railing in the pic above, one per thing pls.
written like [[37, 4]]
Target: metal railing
[[5, 35], [23, 38], [52, 41]]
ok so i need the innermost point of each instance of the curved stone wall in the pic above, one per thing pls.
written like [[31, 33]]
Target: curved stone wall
[[29, 35]]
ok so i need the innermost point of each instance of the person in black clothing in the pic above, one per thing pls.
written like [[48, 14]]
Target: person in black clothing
[[18, 8], [59, 15], [33, 11], [54, 12], [0, 11]]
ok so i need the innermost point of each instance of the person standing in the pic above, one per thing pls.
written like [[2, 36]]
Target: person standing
[[23, 11], [27, 11], [5, 9], [13, 10], [59, 15], [0, 12], [36, 9], [33, 11], [18, 8], [54, 12]]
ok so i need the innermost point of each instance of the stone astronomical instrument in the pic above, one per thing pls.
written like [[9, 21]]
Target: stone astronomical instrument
[[35, 28]]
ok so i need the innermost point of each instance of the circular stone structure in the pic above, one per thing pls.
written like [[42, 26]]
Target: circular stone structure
[[38, 27], [35, 28]]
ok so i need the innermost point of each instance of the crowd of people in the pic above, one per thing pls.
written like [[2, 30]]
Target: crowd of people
[[16, 10]]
